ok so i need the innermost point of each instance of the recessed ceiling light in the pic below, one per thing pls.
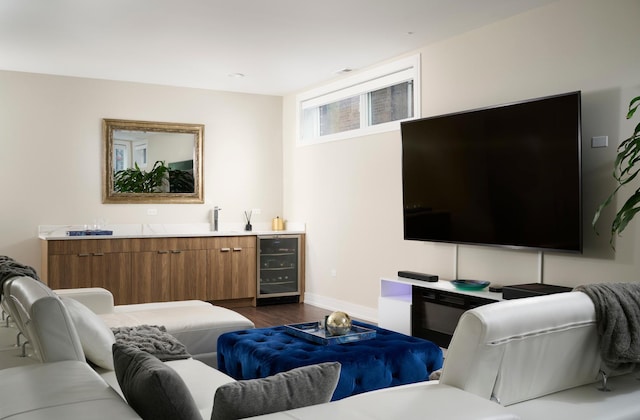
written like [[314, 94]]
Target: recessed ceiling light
[[236, 75]]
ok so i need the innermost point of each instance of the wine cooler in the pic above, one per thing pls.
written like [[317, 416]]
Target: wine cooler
[[278, 269]]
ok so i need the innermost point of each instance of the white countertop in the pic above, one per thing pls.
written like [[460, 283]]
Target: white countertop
[[59, 232]]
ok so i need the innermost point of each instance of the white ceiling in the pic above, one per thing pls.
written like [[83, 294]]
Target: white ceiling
[[281, 46]]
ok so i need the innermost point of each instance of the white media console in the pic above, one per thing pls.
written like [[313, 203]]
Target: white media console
[[443, 304]]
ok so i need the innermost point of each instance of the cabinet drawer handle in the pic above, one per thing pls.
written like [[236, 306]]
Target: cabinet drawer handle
[[83, 255], [163, 252], [237, 249], [98, 254], [225, 249], [176, 251]]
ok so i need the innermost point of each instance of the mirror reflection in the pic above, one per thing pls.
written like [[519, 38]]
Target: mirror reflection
[[152, 162]]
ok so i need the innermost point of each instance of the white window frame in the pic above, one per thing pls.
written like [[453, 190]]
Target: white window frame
[[122, 148], [140, 153], [399, 71]]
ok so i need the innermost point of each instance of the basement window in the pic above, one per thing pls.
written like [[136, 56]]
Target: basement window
[[370, 102]]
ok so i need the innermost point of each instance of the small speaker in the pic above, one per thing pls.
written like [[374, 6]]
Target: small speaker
[[418, 276]]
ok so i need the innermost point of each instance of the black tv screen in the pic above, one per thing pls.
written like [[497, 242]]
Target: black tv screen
[[508, 175]]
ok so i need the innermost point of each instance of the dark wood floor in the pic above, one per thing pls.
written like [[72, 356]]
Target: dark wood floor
[[288, 313]]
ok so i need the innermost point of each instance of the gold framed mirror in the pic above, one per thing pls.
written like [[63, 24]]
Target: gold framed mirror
[[152, 162]]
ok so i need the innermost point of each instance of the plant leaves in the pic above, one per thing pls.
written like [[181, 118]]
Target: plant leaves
[[624, 171], [633, 106], [135, 180], [626, 213]]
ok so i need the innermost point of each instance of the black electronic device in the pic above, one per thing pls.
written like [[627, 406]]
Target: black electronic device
[[418, 276], [518, 291], [507, 175]]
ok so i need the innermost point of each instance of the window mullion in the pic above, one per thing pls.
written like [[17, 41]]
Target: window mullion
[[365, 110], [316, 122], [410, 99]]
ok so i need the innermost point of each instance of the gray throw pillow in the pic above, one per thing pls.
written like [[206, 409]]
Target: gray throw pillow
[[300, 387], [152, 389]]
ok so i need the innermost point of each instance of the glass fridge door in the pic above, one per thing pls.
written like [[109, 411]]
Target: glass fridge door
[[278, 266]]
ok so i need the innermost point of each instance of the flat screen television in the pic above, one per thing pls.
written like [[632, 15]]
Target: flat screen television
[[507, 175]]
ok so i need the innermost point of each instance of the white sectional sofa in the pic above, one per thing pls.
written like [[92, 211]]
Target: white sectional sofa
[[65, 385], [67, 389], [64, 334], [532, 358], [194, 323]]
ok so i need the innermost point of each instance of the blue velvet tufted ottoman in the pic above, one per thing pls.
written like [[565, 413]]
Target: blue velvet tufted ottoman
[[387, 360]]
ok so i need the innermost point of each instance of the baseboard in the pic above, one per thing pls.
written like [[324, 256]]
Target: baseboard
[[364, 313]]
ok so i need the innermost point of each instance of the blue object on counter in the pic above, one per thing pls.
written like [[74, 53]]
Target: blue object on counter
[[96, 232]]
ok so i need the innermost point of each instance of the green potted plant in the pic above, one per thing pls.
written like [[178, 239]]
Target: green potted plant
[[625, 170], [135, 180]]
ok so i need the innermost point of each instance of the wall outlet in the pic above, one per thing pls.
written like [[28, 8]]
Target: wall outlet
[[152, 212], [334, 273], [599, 141], [256, 211]]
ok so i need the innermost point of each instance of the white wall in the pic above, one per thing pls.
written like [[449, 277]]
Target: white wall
[[51, 151], [349, 191]]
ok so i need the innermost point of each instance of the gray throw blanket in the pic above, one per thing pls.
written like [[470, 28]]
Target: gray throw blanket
[[10, 268], [152, 339], [617, 308]]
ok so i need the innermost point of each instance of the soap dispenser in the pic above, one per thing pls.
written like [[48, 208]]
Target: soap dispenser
[[214, 218]]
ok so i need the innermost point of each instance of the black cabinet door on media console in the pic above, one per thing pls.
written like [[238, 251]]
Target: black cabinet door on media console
[[435, 313]]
